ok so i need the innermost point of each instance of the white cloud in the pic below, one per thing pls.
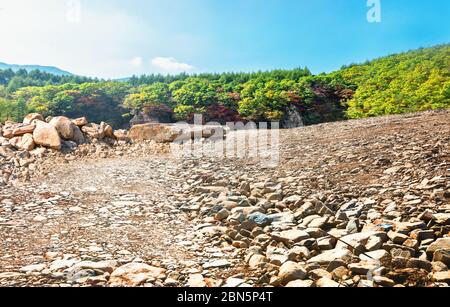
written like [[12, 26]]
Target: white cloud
[[101, 43], [92, 38], [170, 65], [136, 61]]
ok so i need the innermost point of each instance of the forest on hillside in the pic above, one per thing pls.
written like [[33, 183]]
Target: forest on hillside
[[412, 81]]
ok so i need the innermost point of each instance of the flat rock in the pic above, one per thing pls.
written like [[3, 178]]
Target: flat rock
[[442, 277], [33, 268], [300, 284], [383, 281], [359, 239], [196, 281], [363, 268], [326, 282], [135, 274], [256, 261], [328, 256], [290, 271], [105, 266], [375, 255], [294, 235], [217, 264]]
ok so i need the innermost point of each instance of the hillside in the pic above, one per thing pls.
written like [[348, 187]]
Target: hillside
[[48, 69], [407, 82]]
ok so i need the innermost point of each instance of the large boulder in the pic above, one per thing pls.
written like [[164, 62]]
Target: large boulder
[[154, 132], [64, 126], [109, 132], [46, 135], [31, 118], [121, 135], [94, 131], [24, 142], [80, 122], [215, 132]]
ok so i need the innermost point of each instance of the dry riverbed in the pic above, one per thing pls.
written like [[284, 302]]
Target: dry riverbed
[[356, 203]]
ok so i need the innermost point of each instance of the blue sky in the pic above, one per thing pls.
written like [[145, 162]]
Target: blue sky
[[116, 38]]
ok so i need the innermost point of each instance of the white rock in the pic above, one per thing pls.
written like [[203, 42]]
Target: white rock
[[33, 268]]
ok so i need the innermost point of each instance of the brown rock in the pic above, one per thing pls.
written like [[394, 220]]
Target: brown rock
[[383, 281], [80, 122], [30, 118], [94, 131], [341, 273], [64, 127], [363, 268], [121, 135], [152, 132], [22, 129], [256, 261], [416, 263], [328, 256], [326, 282], [25, 142], [222, 215], [397, 238], [319, 273], [46, 135], [135, 274], [360, 239], [442, 218], [78, 136], [196, 281], [294, 235], [8, 133], [109, 132], [300, 284], [411, 243], [442, 277], [290, 271], [440, 244], [442, 255], [421, 235]]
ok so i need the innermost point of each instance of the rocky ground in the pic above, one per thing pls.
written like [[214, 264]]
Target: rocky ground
[[358, 203]]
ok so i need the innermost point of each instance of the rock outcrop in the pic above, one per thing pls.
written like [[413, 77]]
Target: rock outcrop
[[156, 132]]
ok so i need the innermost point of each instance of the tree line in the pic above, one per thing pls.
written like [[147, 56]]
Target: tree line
[[407, 82]]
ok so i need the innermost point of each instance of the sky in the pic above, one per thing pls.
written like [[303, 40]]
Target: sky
[[119, 38]]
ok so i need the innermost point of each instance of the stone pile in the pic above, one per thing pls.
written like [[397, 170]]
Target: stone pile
[[372, 210], [55, 133], [24, 146]]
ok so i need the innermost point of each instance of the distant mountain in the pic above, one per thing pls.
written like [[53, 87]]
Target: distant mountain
[[47, 69], [126, 79]]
